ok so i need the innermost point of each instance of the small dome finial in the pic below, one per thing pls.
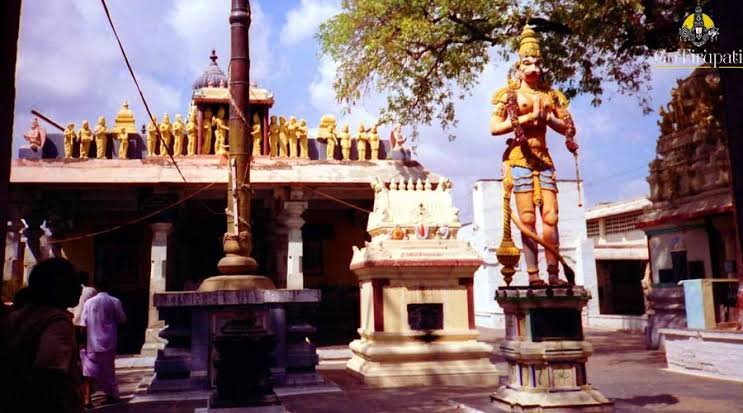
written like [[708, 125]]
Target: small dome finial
[[213, 57]]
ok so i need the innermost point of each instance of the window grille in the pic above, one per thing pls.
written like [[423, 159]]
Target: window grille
[[622, 223], [592, 228]]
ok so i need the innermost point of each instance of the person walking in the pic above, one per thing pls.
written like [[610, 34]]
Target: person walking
[[80, 334], [101, 316]]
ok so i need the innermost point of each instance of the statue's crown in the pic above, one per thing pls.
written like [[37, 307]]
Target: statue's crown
[[529, 45]]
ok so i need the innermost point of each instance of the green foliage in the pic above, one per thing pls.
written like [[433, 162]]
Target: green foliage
[[425, 54]]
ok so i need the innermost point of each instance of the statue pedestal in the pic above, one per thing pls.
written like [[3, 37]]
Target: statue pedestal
[[546, 352], [417, 315]]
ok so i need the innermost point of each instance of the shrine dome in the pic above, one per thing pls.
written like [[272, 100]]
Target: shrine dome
[[213, 76]]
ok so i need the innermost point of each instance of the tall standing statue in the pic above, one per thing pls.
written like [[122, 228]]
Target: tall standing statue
[[273, 137], [206, 147], [283, 138], [332, 141], [192, 130], [69, 140], [257, 135], [100, 138], [166, 131], [220, 133], [302, 132], [346, 143], [178, 135], [85, 135], [526, 107], [123, 138], [374, 143], [361, 142], [152, 129], [291, 129]]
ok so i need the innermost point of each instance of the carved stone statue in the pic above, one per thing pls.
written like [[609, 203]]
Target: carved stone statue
[[69, 140], [397, 143], [152, 129], [178, 135], [526, 108], [123, 138], [346, 143], [283, 138], [374, 143], [100, 138], [291, 129], [85, 135], [220, 132], [257, 135], [332, 141], [666, 122], [36, 136], [361, 142], [166, 131], [206, 147], [302, 132], [273, 137], [192, 130]]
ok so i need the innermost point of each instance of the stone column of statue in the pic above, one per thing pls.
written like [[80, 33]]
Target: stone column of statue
[[100, 138], [273, 137], [85, 135], [291, 129], [178, 135], [526, 107], [283, 138], [123, 137], [257, 135], [220, 133], [69, 140], [192, 130], [36, 136], [166, 131], [152, 129], [374, 143], [361, 142], [206, 147], [332, 141], [302, 132], [346, 143]]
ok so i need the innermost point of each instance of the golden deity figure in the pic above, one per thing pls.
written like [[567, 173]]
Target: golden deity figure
[[283, 137], [152, 129], [85, 135], [273, 137], [69, 140], [220, 133], [206, 146], [374, 143], [346, 143], [166, 131], [100, 138], [192, 130], [256, 133], [332, 141], [302, 132], [178, 135], [291, 129], [123, 138], [361, 142], [526, 107]]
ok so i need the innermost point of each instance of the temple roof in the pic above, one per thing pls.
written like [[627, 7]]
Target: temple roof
[[212, 86], [213, 76]]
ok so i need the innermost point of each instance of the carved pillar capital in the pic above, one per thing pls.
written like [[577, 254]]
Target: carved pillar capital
[[293, 214], [160, 232]]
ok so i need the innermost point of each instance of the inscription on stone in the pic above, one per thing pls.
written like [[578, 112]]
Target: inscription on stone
[[426, 316]]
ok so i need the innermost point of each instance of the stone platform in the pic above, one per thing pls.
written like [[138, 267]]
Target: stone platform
[[707, 353]]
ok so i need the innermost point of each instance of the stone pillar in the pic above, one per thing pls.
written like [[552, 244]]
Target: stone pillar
[[294, 223], [158, 260], [280, 232]]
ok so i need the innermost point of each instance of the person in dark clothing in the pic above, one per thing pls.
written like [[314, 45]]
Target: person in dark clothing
[[43, 366]]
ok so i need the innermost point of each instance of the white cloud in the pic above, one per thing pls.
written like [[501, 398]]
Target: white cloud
[[302, 21]]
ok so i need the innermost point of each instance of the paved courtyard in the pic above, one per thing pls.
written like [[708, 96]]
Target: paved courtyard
[[635, 379]]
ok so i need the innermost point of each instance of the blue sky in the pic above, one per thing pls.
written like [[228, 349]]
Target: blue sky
[[70, 68]]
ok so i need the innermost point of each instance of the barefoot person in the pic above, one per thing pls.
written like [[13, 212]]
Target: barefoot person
[[526, 107]]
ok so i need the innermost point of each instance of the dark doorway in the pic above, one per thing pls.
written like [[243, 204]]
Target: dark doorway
[[625, 277]]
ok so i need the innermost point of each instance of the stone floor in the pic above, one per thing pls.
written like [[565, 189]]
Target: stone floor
[[621, 368]]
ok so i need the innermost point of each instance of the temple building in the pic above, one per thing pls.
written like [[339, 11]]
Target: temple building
[[143, 224]]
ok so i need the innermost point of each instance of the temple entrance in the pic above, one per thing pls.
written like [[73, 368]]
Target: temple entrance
[[620, 287]]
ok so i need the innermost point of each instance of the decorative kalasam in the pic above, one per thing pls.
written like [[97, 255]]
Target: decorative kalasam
[[526, 107]]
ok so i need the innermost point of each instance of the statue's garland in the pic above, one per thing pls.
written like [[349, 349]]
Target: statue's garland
[[512, 107]]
